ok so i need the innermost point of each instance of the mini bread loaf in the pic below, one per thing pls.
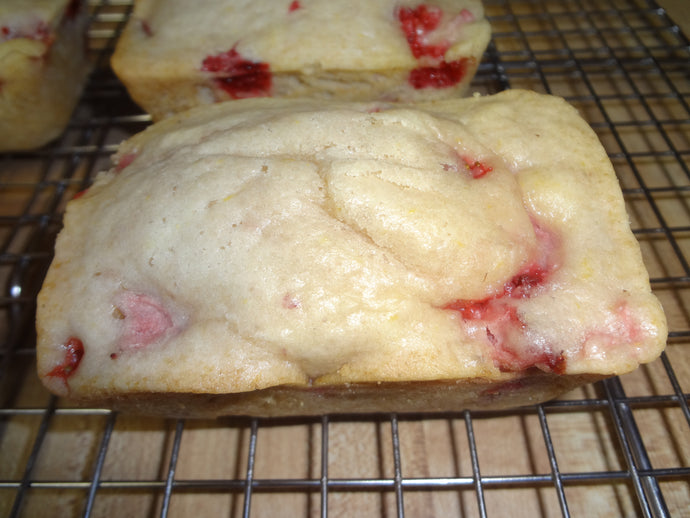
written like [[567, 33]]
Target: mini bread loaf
[[176, 54], [276, 257], [43, 68]]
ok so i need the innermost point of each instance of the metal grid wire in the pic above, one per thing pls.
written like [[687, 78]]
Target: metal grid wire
[[616, 448]]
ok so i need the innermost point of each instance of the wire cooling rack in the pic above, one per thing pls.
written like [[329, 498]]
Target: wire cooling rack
[[615, 448]]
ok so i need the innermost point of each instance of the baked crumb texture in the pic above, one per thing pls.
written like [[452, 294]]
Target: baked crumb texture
[[359, 50], [278, 257], [43, 68]]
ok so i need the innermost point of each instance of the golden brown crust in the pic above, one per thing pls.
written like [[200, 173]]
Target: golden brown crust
[[355, 398]]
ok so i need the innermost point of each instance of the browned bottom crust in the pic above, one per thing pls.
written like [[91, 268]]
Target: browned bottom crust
[[407, 397]]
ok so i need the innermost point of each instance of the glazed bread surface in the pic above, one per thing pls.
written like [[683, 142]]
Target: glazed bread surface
[[281, 257]]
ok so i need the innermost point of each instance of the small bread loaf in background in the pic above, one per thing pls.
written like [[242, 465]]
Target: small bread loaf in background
[[177, 54], [43, 68], [278, 257]]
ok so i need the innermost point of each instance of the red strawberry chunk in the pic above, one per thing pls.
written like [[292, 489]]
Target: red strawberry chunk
[[622, 327], [145, 320], [146, 27], [239, 77], [290, 301], [294, 6], [476, 168], [416, 24], [80, 194], [552, 362], [124, 161], [509, 359], [505, 330], [467, 16], [38, 31], [428, 42], [443, 75], [471, 309], [74, 352], [525, 283]]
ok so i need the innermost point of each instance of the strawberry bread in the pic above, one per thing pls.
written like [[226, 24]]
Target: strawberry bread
[[43, 68], [175, 54], [280, 257]]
